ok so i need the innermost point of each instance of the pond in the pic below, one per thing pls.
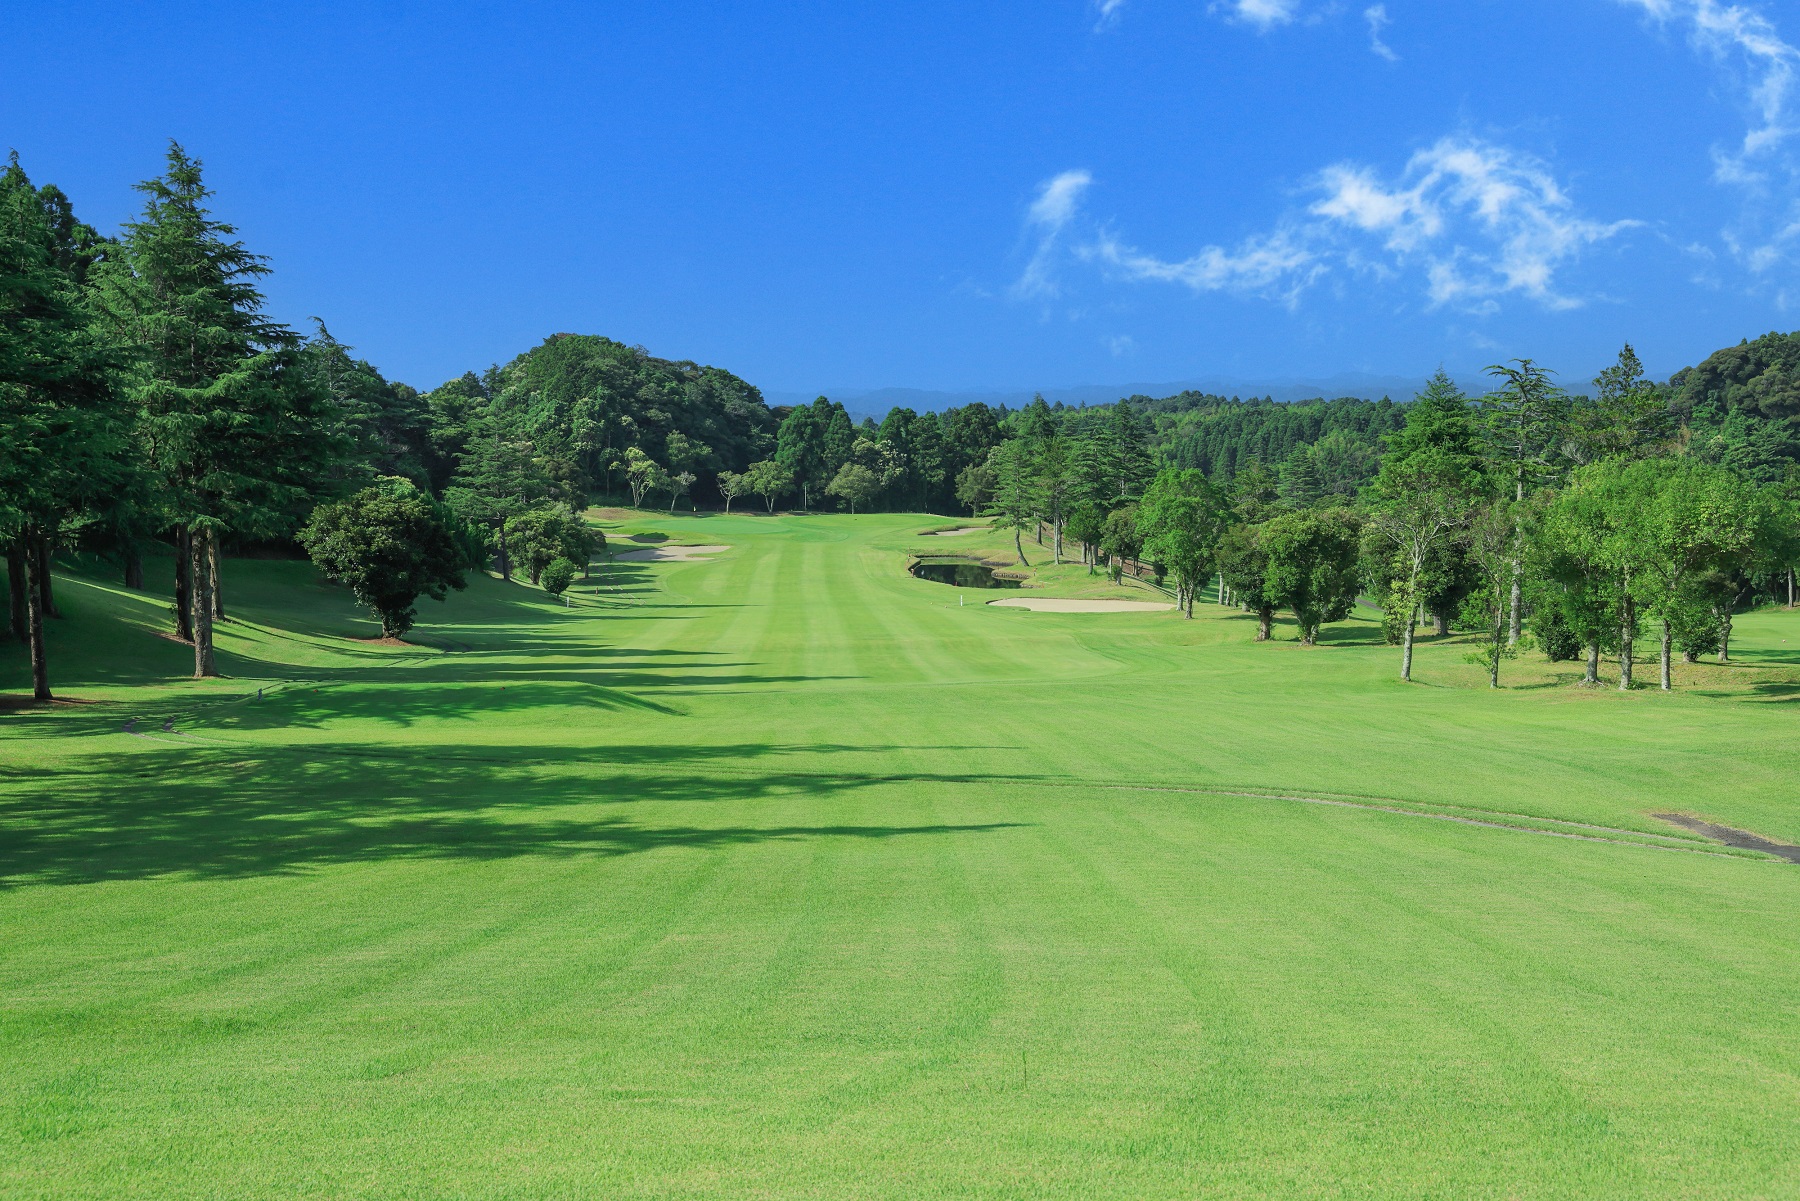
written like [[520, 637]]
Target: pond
[[964, 573]]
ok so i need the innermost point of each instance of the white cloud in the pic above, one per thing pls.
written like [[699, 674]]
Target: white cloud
[[1108, 13], [1766, 68], [1471, 221], [1377, 17], [1058, 200], [1482, 220], [1263, 14], [1277, 264], [1743, 39]]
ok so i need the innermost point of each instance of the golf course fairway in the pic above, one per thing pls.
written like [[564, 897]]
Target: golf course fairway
[[775, 872]]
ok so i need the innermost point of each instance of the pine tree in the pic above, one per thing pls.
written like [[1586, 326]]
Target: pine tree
[[1526, 420], [1014, 498], [232, 430], [500, 481], [61, 424], [1128, 453]]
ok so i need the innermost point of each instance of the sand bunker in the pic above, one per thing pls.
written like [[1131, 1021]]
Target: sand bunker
[[670, 554], [967, 529], [1046, 604]]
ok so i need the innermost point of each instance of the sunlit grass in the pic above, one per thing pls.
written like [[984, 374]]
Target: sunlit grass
[[786, 874]]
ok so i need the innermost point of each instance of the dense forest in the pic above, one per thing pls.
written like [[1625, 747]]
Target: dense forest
[[150, 409]]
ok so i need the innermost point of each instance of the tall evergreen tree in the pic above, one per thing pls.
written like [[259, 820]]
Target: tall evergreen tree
[[1014, 502], [1526, 419], [814, 443], [970, 432], [229, 425], [62, 426], [501, 480], [1128, 456], [1627, 416]]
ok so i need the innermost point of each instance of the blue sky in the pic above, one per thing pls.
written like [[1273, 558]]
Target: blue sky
[[954, 195]]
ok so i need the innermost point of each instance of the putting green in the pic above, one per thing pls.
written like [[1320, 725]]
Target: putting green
[[782, 874]]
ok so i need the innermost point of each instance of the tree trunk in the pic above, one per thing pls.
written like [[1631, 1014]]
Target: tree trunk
[[184, 592], [1626, 628], [201, 575], [1494, 651], [1406, 649], [1515, 624], [1265, 622], [505, 559], [17, 584], [34, 625], [1666, 660], [1725, 638], [134, 568], [46, 595], [1440, 624], [1592, 678], [1056, 540], [1690, 656], [1790, 587], [212, 576]]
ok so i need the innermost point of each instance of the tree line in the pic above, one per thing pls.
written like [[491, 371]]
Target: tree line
[[151, 409], [150, 406], [1576, 523]]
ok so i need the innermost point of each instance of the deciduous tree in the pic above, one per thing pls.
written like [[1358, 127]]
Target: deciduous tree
[[388, 546], [1182, 517], [855, 485], [1312, 561], [1419, 509]]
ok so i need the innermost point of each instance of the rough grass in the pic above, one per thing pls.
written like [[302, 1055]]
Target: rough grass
[[781, 875]]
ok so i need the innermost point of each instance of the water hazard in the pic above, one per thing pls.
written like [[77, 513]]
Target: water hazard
[[964, 573]]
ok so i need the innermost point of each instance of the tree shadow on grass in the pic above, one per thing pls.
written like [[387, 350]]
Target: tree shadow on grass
[[1352, 634], [1557, 679], [194, 811]]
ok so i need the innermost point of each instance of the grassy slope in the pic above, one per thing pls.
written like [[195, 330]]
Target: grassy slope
[[784, 875]]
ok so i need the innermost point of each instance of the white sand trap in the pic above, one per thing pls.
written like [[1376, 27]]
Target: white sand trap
[[670, 554], [1046, 604], [967, 529]]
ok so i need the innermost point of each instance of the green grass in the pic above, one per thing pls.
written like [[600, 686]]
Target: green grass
[[784, 875]]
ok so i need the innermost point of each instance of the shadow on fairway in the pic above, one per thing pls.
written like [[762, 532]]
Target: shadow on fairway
[[196, 811], [1351, 634]]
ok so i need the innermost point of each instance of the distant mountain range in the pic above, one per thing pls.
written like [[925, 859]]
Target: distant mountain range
[[875, 402]]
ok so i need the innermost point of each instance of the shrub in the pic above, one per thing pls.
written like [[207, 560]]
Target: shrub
[[557, 576]]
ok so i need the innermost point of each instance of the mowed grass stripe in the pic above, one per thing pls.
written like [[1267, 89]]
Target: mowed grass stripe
[[874, 906]]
